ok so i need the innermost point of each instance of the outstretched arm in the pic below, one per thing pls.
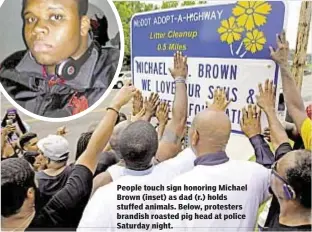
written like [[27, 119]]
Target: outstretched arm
[[170, 143], [251, 126], [266, 101], [102, 133], [292, 95]]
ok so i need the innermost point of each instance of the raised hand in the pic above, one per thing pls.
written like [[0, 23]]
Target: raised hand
[[138, 116], [151, 104], [62, 131], [124, 95], [180, 66], [266, 97], [162, 113], [220, 101], [137, 103], [250, 122], [280, 55]]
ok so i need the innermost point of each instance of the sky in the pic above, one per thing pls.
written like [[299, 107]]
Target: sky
[[292, 22]]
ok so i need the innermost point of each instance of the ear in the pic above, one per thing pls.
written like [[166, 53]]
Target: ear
[[195, 138], [31, 194], [84, 25]]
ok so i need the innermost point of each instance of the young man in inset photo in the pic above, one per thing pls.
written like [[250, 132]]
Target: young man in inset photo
[[64, 71]]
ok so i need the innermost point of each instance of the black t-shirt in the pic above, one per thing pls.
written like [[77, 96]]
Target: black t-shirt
[[50, 185], [64, 210]]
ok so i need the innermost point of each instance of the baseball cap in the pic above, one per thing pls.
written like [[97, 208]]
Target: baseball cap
[[55, 147]]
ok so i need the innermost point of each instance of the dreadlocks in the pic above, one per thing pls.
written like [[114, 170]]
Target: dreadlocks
[[83, 143]]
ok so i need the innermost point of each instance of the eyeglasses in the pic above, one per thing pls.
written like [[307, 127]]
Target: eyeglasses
[[275, 173]]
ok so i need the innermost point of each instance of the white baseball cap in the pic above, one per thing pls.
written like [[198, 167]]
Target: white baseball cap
[[55, 147]]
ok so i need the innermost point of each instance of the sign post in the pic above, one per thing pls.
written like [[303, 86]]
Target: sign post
[[299, 61]]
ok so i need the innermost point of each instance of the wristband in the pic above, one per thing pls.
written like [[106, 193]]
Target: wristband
[[111, 108], [180, 80]]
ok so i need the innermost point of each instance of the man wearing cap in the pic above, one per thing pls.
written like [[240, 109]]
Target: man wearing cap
[[56, 152]]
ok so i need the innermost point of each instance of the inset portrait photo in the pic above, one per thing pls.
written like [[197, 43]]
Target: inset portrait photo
[[59, 58]]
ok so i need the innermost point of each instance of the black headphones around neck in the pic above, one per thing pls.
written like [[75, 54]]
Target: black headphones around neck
[[69, 68]]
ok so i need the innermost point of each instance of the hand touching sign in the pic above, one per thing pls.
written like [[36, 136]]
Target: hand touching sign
[[180, 66], [220, 101]]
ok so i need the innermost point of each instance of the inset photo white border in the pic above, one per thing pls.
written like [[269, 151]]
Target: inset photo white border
[[97, 103]]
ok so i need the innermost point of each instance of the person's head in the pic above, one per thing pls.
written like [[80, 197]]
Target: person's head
[[83, 143], [115, 138], [35, 158], [210, 132], [55, 149], [55, 30], [11, 114], [28, 141], [291, 179], [17, 186], [107, 159], [138, 144], [122, 117]]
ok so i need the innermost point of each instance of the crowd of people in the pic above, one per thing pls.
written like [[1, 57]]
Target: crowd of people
[[40, 190]]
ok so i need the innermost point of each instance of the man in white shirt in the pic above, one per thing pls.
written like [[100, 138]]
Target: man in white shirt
[[230, 190], [138, 145]]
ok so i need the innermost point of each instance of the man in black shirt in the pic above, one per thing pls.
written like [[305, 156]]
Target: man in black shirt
[[63, 71], [55, 149], [64, 210]]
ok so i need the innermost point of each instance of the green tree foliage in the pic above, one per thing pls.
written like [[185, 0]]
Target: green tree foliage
[[169, 4], [191, 3], [126, 10], [188, 3]]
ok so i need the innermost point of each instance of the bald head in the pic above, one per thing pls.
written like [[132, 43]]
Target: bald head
[[114, 140], [212, 129]]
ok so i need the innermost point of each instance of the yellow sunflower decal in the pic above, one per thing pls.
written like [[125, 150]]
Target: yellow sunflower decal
[[229, 31], [254, 41], [251, 14]]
